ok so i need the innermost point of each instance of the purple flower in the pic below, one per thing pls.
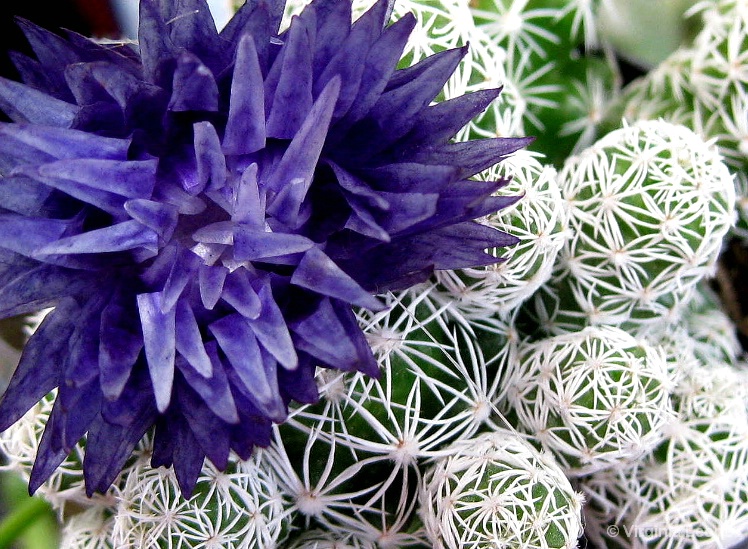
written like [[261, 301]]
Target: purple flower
[[205, 213]]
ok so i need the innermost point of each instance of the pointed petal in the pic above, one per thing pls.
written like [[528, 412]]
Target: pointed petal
[[116, 238], [271, 330], [333, 20], [159, 336], [131, 179], [348, 62], [189, 341], [411, 177], [188, 457], [154, 41], [366, 363], [464, 244], [398, 107], [322, 335], [109, 445], [120, 343], [182, 271], [299, 384], [318, 273], [470, 156], [288, 88], [211, 433], [193, 29], [220, 232], [33, 74], [238, 292], [412, 208], [256, 375], [253, 429], [211, 164], [258, 18], [47, 459], [245, 127], [43, 286], [52, 51], [379, 67], [194, 87], [109, 202], [254, 245], [440, 122], [63, 143], [213, 389], [249, 205], [159, 217], [293, 174], [25, 104], [23, 195], [27, 235], [211, 280], [360, 188], [38, 371], [164, 440], [362, 221], [79, 406], [135, 97]]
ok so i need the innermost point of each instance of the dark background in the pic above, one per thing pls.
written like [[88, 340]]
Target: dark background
[[88, 17]]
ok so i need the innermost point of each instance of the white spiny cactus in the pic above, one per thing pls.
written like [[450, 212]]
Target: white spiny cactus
[[649, 205], [498, 491], [595, 399], [692, 491], [240, 508]]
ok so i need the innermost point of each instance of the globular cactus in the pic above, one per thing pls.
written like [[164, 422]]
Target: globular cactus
[[496, 490]]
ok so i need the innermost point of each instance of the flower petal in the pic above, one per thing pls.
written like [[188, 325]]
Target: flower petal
[[254, 375], [116, 238], [25, 104], [320, 274], [210, 432], [193, 29], [211, 164], [63, 143], [120, 343], [182, 271], [288, 87], [238, 292], [131, 179], [293, 175], [324, 336], [26, 235], [194, 87], [153, 39], [159, 337], [213, 389], [245, 127], [189, 341], [161, 218], [271, 330], [25, 290], [38, 371], [254, 245], [211, 279]]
